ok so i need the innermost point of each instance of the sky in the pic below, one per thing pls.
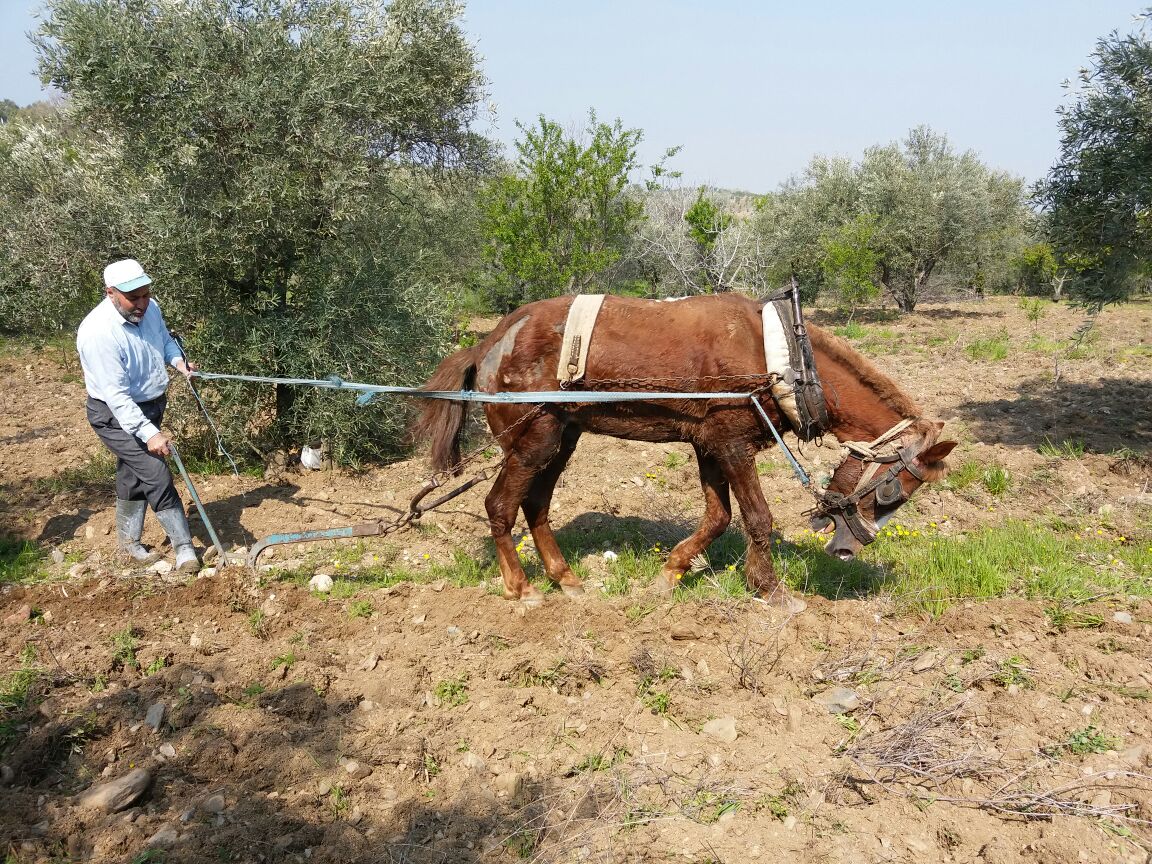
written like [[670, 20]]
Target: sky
[[751, 91]]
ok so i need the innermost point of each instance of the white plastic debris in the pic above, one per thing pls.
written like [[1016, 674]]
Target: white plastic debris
[[311, 457], [321, 582]]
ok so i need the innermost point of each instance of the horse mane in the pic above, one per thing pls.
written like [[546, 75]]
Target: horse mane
[[839, 351]]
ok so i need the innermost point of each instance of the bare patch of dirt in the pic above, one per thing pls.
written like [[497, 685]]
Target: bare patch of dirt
[[444, 724]]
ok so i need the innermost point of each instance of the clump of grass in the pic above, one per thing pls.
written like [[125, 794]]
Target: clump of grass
[[258, 623], [1013, 671], [1034, 308], [1061, 617], [16, 695], [285, 660], [851, 330], [99, 470], [964, 475], [674, 460], [1014, 558], [360, 609], [599, 761], [1083, 742], [452, 692], [991, 349], [20, 561], [1067, 449], [996, 480], [124, 645]]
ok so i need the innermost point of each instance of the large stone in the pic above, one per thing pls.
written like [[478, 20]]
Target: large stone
[[838, 700], [155, 716], [721, 728], [321, 582], [118, 794], [508, 785]]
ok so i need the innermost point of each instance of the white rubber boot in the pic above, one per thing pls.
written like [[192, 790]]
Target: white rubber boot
[[176, 525], [129, 528]]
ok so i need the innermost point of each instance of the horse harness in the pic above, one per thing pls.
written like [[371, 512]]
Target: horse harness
[[885, 450]]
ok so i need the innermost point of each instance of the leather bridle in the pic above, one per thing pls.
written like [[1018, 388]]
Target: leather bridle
[[885, 483]]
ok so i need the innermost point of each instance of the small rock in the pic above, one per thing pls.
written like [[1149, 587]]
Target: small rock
[[789, 823], [89, 532], [57, 556], [209, 555], [369, 662], [166, 836], [368, 705], [473, 762], [19, 616], [1013, 689], [355, 816], [196, 640], [918, 845], [161, 567], [925, 661], [439, 585], [167, 751], [206, 572], [838, 700], [508, 785], [1122, 617], [324, 787], [795, 720], [357, 770], [610, 555], [721, 728], [155, 716], [321, 582], [419, 619], [684, 632], [214, 804], [702, 668], [77, 570], [7, 775], [117, 795]]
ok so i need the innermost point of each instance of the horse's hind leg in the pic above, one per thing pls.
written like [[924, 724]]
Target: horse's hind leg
[[536, 506], [717, 515], [529, 454]]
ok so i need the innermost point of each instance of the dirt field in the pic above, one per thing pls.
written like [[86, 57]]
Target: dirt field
[[426, 722]]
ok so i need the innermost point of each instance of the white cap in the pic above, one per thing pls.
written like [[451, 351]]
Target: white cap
[[126, 275]]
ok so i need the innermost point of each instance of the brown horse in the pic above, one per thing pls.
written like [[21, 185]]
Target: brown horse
[[710, 344]]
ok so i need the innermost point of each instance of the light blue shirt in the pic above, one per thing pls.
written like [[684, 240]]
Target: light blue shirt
[[125, 363]]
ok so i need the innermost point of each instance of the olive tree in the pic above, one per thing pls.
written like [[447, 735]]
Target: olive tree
[[281, 166], [1098, 195], [928, 208]]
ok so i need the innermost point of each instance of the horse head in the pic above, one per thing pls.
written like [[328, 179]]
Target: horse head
[[874, 479]]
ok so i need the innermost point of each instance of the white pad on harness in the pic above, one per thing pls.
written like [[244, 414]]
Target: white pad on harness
[[577, 337], [777, 356]]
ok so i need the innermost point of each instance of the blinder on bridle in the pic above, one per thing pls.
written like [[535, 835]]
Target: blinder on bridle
[[886, 484]]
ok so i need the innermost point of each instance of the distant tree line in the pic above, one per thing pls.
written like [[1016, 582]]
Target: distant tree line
[[302, 179]]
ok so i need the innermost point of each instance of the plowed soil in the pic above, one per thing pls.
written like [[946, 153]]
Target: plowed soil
[[423, 722]]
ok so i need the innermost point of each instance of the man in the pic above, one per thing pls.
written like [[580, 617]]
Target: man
[[124, 346]]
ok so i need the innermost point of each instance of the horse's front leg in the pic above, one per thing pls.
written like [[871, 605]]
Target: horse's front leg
[[717, 515], [502, 502], [536, 507], [739, 464]]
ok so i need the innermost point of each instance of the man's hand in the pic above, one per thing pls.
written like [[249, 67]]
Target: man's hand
[[186, 369], [158, 445]]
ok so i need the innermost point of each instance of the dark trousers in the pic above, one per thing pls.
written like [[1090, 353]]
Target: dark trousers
[[139, 474]]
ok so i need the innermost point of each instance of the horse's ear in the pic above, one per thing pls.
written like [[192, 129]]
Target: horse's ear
[[933, 460]]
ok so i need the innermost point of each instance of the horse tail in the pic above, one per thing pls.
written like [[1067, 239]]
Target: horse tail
[[442, 420]]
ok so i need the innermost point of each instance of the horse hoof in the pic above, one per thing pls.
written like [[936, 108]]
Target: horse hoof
[[665, 583], [573, 590], [532, 597]]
